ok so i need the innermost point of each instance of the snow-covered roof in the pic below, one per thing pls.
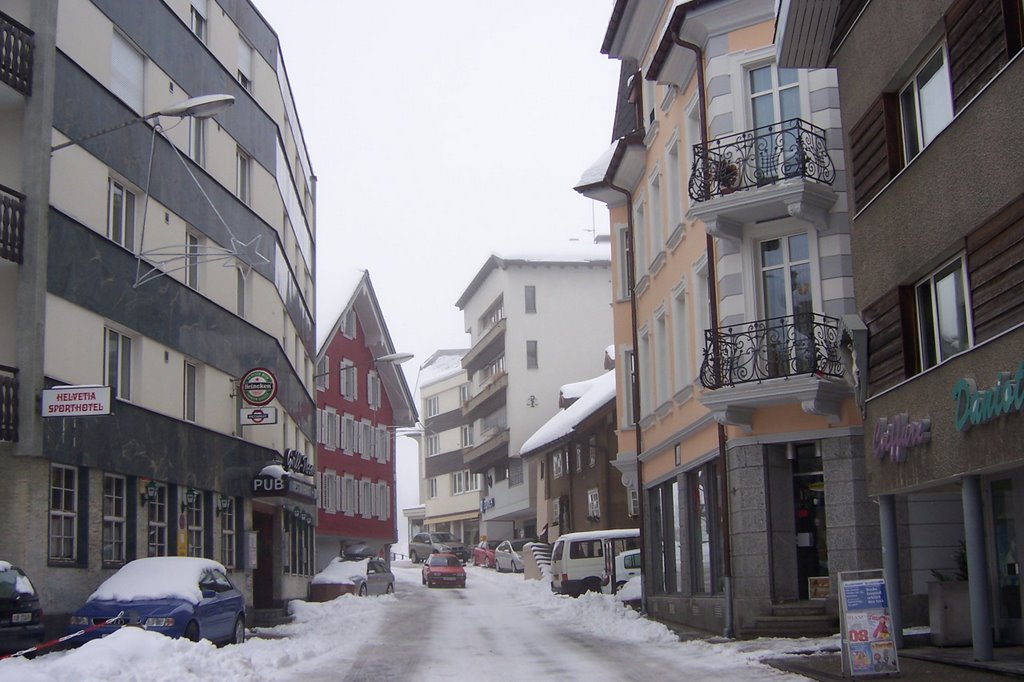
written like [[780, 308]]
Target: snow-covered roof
[[443, 364], [344, 282], [165, 577], [601, 534], [578, 388], [599, 169], [341, 572], [599, 392], [273, 470]]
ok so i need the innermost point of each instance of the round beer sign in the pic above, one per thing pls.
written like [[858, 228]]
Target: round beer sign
[[258, 386]]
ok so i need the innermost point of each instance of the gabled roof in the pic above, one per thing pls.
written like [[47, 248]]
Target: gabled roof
[[442, 364], [363, 300], [594, 396]]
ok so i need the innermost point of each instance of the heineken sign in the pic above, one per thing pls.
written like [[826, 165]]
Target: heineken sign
[[258, 386], [976, 406]]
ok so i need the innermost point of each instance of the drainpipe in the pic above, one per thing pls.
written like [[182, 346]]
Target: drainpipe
[[716, 347], [635, 379]]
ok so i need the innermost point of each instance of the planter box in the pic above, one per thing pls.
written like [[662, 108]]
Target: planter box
[[949, 613]]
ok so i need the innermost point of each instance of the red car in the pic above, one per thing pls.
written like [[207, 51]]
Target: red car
[[483, 553], [443, 569]]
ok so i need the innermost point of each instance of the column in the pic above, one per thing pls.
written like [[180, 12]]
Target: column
[[891, 564], [977, 569]]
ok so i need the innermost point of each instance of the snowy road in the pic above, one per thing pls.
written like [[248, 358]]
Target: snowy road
[[499, 628]]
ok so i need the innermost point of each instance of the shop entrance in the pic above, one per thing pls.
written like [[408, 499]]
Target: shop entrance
[[1007, 504], [263, 574], [809, 515]]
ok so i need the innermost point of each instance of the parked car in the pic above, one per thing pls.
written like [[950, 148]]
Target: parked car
[[361, 577], [21, 617], [578, 559], [176, 596], [443, 569], [627, 565], [483, 553], [423, 545], [507, 557]]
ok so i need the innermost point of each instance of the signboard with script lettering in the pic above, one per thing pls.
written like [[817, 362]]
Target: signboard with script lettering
[[76, 401]]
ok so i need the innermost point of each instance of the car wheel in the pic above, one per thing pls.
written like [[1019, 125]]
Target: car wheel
[[390, 589], [238, 636], [362, 590], [414, 557], [192, 631]]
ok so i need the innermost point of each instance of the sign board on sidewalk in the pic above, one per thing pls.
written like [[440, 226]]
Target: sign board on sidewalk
[[76, 401], [867, 624], [254, 416]]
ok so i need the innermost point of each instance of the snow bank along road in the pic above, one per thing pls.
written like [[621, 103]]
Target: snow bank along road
[[499, 628]]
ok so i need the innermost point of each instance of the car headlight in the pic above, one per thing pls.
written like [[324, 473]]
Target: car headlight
[[159, 623], [79, 620]]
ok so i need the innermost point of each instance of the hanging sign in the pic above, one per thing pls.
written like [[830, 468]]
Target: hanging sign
[[867, 625], [254, 416], [258, 386]]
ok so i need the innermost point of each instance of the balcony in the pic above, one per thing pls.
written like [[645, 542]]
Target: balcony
[[8, 403], [12, 225], [16, 51], [761, 173], [797, 358], [488, 399], [487, 349], [492, 449]]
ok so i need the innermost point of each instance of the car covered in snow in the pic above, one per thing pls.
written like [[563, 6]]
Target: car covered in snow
[[185, 597], [360, 577], [443, 570], [21, 617], [508, 556], [483, 553]]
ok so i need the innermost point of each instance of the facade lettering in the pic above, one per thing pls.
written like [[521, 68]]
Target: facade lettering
[[974, 406], [894, 436]]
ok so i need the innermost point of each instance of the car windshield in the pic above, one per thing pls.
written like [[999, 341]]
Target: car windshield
[[439, 560], [442, 537], [518, 545], [13, 582]]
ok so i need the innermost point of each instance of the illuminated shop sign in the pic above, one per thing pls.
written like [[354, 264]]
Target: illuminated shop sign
[[976, 406], [894, 435]]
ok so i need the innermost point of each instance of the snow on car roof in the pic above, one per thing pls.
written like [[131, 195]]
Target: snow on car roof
[[602, 534], [165, 577], [4, 566], [341, 572]]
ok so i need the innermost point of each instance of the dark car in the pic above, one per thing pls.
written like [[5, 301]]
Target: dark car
[[21, 617], [443, 570], [175, 596], [483, 553]]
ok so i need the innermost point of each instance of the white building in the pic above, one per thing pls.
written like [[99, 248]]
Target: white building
[[535, 323]]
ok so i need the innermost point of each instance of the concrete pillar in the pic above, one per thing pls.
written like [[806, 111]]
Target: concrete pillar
[[977, 569], [891, 564]]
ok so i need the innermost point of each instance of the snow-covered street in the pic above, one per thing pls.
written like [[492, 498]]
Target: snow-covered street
[[499, 628]]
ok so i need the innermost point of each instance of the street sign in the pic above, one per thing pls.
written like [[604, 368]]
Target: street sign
[[76, 401], [255, 416], [258, 386]]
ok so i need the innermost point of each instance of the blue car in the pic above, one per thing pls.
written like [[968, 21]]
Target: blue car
[[175, 596]]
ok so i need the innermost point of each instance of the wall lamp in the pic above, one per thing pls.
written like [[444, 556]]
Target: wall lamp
[[190, 498], [149, 494], [223, 504]]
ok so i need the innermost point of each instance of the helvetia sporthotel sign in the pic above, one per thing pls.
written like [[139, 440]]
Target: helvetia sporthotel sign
[[76, 401]]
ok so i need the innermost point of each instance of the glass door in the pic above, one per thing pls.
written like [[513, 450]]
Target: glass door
[[774, 111], [809, 508], [1005, 511], [785, 266]]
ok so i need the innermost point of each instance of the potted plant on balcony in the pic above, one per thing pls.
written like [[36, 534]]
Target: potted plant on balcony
[[726, 176]]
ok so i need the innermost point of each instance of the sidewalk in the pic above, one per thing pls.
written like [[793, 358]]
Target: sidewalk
[[919, 663]]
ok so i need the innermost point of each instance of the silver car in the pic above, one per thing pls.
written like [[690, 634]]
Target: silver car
[[423, 545], [508, 555]]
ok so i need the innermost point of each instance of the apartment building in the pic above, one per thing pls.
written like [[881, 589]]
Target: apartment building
[[362, 398], [535, 322], [156, 259], [938, 257], [449, 490], [734, 318]]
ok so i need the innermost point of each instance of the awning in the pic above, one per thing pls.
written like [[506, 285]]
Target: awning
[[448, 518]]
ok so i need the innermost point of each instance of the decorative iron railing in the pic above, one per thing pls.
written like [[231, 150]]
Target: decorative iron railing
[[8, 403], [807, 343], [16, 48], [12, 224], [758, 157]]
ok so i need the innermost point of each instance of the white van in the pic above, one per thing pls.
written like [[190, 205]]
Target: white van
[[627, 565], [578, 560]]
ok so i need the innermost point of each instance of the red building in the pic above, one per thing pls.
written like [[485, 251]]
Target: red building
[[361, 398]]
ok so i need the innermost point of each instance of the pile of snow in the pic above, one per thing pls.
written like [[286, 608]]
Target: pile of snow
[[166, 577], [632, 590], [4, 566], [341, 572]]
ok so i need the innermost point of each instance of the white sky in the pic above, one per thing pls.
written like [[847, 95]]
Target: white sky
[[441, 132]]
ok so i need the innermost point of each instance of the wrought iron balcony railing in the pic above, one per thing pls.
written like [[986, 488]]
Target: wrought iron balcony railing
[[16, 51], [8, 403], [758, 157], [12, 224], [807, 343]]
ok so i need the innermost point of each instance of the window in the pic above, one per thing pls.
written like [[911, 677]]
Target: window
[[121, 214], [366, 440], [579, 456], [472, 481], [661, 373], [458, 483], [113, 519], [156, 531], [515, 472], [117, 362], [366, 499], [243, 186], [926, 104], [657, 231], [227, 535], [323, 374], [494, 315], [244, 63], [628, 368], [373, 389], [788, 305], [648, 96], [680, 337], [195, 524], [198, 19], [703, 547], [63, 513], [702, 303], [639, 238], [348, 381], [593, 504], [531, 355], [197, 140], [432, 487], [673, 186], [531, 298], [646, 369], [127, 69], [383, 501], [943, 320], [192, 261], [774, 99], [383, 449], [465, 393], [190, 392], [622, 262], [557, 463], [348, 434], [433, 444], [240, 292], [433, 405], [592, 447], [348, 324], [467, 435]]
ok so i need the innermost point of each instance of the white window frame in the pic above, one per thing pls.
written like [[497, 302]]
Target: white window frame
[[640, 246], [948, 268], [433, 444], [348, 380], [628, 411], [241, 293], [702, 306], [121, 215], [246, 57], [228, 530], [680, 336], [193, 247], [657, 232], [921, 137], [661, 374], [119, 380], [432, 487], [156, 523], [114, 535], [323, 373], [63, 526], [243, 176], [197, 141], [433, 405], [197, 19], [622, 262], [127, 72], [196, 525], [373, 389], [593, 504], [466, 435], [673, 185], [349, 436], [558, 463], [366, 440]]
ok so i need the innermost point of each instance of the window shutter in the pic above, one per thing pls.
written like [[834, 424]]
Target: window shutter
[[244, 58], [126, 75], [875, 148]]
